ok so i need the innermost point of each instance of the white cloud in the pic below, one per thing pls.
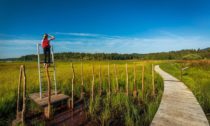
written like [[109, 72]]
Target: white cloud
[[78, 34], [18, 42]]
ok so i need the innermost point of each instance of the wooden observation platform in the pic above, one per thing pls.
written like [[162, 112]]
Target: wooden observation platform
[[50, 97], [46, 100]]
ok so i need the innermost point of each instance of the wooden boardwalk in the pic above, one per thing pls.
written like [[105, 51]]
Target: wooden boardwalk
[[178, 106]]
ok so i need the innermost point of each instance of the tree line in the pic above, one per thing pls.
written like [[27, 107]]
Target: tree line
[[172, 55]]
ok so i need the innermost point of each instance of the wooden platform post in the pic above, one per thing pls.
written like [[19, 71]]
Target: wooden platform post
[[134, 82], [48, 109], [142, 82], [126, 69]]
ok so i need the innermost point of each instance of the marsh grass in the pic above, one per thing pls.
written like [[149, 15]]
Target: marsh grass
[[102, 110]]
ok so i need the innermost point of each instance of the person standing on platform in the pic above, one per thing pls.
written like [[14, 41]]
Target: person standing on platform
[[46, 48]]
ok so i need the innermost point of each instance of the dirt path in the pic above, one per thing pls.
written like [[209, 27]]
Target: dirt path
[[178, 106]]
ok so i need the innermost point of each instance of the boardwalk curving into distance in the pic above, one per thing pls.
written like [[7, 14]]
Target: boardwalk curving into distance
[[178, 106]]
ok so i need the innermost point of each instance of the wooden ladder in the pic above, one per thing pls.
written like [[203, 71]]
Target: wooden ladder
[[41, 70]]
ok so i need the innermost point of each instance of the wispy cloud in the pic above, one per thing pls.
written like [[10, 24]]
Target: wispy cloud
[[78, 34], [81, 34], [8, 36], [165, 42], [17, 47], [16, 42], [135, 44]]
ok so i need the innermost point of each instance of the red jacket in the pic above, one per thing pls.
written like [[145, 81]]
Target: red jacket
[[45, 43]]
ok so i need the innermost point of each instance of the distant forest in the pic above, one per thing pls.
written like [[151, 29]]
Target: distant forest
[[190, 54]]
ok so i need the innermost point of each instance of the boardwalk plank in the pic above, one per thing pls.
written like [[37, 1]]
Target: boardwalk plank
[[178, 106]]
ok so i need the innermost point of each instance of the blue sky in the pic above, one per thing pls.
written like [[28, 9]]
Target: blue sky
[[122, 26]]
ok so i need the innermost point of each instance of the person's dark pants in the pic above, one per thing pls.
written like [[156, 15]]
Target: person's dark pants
[[47, 54]]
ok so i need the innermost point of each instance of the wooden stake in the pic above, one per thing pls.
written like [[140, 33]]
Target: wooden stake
[[93, 81], [72, 86], [181, 72], [21, 115], [100, 82], [82, 83], [126, 68], [18, 96], [49, 92], [142, 81], [116, 78], [24, 95], [153, 81], [134, 83], [109, 83]]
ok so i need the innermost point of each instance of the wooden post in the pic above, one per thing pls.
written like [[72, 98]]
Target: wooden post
[[72, 86], [153, 81], [93, 81], [109, 83], [142, 81], [18, 96], [126, 68], [100, 82], [181, 72], [49, 93], [24, 94], [116, 78], [20, 115], [134, 82], [82, 83]]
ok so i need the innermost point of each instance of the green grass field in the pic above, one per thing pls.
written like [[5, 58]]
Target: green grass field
[[196, 77], [103, 110]]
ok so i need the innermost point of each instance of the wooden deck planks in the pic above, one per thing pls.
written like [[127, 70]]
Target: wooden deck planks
[[44, 101], [178, 106]]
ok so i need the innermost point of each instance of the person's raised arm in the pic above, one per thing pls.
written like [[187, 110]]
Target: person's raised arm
[[51, 37]]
